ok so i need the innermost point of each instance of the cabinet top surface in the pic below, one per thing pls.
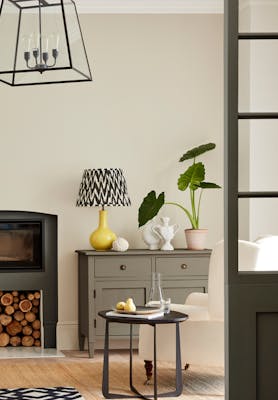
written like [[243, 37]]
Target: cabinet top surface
[[137, 252]]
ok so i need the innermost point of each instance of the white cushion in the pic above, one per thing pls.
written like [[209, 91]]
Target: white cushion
[[197, 299], [248, 254], [202, 342], [195, 313], [216, 282], [268, 255]]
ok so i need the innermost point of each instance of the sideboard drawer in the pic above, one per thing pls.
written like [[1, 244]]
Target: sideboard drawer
[[182, 266], [122, 267]]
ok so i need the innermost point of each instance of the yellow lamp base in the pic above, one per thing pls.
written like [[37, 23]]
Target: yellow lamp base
[[102, 238]]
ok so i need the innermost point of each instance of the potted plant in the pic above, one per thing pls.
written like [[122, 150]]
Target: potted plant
[[193, 180]]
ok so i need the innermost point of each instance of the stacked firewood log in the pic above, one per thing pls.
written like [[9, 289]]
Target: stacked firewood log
[[20, 319]]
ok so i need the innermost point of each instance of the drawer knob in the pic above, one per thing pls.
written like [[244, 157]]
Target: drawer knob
[[123, 267], [184, 266]]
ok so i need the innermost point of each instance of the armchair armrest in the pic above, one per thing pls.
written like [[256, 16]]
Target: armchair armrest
[[197, 299]]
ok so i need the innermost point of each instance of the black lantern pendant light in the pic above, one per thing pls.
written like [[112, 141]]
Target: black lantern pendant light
[[41, 43]]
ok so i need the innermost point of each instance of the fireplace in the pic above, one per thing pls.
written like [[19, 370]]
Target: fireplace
[[28, 262], [20, 245]]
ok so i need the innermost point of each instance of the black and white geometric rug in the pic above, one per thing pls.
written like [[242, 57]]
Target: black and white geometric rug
[[54, 393]]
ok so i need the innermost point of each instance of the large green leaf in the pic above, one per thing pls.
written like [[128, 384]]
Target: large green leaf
[[150, 207], [192, 177], [209, 185], [197, 151]]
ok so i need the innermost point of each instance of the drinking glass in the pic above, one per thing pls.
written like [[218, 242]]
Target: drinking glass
[[166, 305]]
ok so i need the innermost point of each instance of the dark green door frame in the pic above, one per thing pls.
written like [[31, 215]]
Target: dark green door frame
[[251, 300]]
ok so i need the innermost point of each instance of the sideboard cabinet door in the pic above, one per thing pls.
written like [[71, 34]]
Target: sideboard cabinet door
[[107, 296]]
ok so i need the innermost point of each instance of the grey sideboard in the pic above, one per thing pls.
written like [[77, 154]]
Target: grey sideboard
[[104, 278]]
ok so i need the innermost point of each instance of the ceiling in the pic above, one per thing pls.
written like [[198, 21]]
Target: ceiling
[[150, 6]]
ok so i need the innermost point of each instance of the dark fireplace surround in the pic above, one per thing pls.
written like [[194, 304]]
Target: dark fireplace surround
[[37, 268]]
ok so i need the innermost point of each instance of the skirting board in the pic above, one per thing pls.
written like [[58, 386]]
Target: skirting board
[[67, 335], [67, 338]]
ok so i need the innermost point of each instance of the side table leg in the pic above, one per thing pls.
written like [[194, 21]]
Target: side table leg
[[179, 383], [154, 363], [132, 388], [130, 357], [105, 375]]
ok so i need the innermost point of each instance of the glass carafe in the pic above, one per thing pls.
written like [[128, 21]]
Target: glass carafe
[[156, 293]]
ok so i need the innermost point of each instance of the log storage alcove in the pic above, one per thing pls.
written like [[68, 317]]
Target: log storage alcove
[[20, 318]]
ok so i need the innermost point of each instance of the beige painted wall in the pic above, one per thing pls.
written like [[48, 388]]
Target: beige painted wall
[[157, 91]]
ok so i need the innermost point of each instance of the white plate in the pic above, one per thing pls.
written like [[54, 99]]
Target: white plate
[[140, 310]]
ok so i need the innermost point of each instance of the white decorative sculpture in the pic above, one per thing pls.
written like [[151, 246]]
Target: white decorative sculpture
[[120, 244], [166, 232], [150, 237]]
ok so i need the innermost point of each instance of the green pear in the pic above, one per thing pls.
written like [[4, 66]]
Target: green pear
[[129, 305], [120, 305]]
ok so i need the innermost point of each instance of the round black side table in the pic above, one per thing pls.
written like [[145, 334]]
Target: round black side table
[[172, 318]]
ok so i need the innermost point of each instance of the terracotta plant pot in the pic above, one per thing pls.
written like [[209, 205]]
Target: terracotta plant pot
[[196, 238]]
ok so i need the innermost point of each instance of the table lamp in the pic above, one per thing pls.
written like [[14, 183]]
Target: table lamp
[[102, 187]]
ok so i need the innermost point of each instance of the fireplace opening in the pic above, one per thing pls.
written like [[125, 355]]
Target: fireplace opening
[[21, 318], [20, 245]]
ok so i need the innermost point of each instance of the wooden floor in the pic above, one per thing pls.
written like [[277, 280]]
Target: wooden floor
[[85, 374]]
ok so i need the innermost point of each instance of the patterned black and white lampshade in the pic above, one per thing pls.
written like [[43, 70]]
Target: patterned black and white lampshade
[[103, 187]]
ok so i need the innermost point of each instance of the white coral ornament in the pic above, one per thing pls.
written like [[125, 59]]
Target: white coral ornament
[[120, 244]]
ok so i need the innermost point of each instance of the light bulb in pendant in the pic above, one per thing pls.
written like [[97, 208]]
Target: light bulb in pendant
[[45, 43], [35, 41], [26, 43], [54, 41], [57, 41]]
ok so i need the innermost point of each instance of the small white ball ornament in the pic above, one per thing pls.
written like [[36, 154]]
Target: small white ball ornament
[[120, 244]]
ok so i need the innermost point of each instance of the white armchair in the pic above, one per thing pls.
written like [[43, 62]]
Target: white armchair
[[202, 335]]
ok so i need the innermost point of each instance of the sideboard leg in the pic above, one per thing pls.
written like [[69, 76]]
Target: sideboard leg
[[91, 348], [81, 341], [148, 368]]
